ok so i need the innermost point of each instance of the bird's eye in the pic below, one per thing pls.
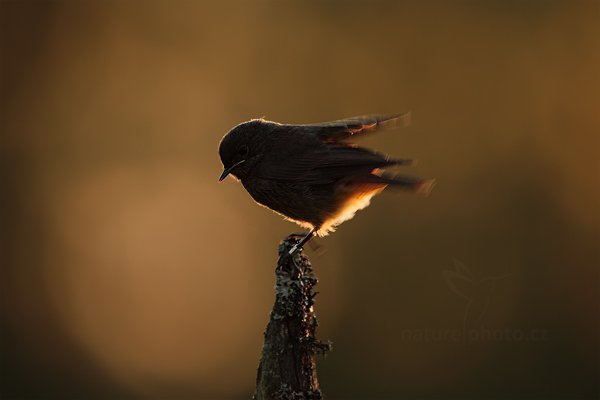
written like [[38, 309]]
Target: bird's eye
[[243, 150]]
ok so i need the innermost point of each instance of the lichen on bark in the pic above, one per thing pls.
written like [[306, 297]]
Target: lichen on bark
[[288, 369]]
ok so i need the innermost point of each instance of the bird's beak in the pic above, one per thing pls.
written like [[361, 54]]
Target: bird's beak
[[226, 171]]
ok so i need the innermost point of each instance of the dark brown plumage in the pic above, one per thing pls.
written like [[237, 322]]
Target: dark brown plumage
[[309, 173]]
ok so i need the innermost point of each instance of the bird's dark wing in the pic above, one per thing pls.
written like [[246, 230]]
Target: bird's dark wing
[[323, 163], [336, 131]]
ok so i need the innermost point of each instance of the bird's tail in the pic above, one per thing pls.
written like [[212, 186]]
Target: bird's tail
[[404, 182]]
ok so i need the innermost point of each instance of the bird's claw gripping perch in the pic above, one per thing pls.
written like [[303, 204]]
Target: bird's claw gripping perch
[[293, 250]]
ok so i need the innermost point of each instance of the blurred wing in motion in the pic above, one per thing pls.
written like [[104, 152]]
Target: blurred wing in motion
[[335, 131], [327, 164]]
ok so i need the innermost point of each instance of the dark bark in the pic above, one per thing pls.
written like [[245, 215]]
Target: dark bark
[[288, 368]]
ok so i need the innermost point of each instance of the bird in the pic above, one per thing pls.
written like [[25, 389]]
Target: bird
[[313, 174]]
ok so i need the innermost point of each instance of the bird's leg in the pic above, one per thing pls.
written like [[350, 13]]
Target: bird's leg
[[301, 243], [300, 235]]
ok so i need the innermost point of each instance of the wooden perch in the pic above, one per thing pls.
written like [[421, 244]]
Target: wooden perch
[[288, 368]]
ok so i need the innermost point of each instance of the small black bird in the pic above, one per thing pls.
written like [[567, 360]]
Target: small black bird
[[310, 174]]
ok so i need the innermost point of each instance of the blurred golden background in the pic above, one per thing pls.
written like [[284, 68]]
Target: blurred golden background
[[128, 271]]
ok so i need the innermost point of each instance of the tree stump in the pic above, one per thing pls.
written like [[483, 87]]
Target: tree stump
[[288, 368]]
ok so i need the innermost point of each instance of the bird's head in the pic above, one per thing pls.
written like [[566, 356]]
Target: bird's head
[[242, 147]]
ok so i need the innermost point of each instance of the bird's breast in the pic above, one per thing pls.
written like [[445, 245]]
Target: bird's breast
[[350, 198]]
